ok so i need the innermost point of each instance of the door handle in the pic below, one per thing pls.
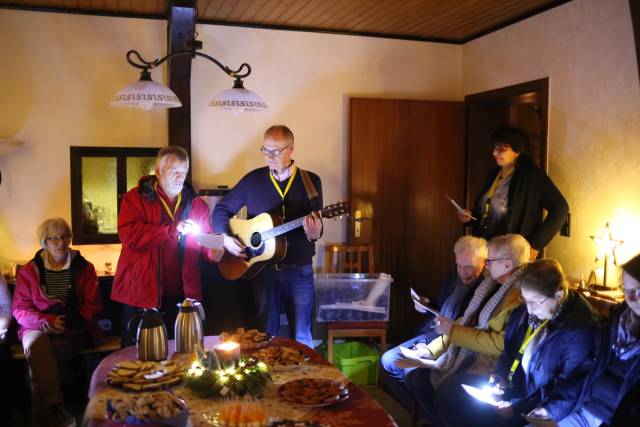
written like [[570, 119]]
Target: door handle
[[357, 223]]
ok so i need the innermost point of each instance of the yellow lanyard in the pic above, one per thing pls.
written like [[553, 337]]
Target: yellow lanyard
[[286, 189], [172, 215], [527, 339], [492, 191]]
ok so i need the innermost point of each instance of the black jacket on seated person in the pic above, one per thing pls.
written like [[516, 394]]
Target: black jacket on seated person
[[588, 388], [556, 359]]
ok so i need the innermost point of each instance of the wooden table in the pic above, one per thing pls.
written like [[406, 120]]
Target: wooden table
[[358, 410]]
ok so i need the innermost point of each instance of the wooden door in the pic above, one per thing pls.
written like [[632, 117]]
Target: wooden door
[[405, 156]]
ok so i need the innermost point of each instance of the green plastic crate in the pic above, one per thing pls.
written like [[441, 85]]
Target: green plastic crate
[[357, 361]]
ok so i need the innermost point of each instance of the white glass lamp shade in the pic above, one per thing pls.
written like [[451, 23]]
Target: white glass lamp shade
[[238, 100], [146, 94]]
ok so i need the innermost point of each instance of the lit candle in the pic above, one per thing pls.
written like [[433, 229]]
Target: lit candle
[[229, 354]]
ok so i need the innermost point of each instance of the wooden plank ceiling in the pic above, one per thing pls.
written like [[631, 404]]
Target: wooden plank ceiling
[[452, 21]]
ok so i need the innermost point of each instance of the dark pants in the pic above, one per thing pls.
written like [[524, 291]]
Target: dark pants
[[5, 374], [291, 288], [169, 312], [456, 407], [418, 381]]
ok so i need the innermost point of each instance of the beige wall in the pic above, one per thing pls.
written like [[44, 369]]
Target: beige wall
[[58, 73], [64, 69], [586, 48]]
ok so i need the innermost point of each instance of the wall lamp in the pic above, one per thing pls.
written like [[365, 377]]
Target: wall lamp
[[147, 94]]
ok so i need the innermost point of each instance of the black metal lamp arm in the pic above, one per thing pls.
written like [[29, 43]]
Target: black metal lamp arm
[[144, 65]]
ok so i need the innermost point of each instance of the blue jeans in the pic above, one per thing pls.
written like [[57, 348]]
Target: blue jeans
[[388, 359], [291, 288]]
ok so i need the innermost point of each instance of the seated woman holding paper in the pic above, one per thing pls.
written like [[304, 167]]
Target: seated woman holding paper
[[615, 371], [476, 340], [545, 343], [515, 194]]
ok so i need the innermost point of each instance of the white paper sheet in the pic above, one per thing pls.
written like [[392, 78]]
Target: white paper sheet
[[413, 360], [416, 299], [457, 206]]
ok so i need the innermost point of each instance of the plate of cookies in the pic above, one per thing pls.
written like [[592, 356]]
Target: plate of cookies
[[313, 392], [247, 338], [136, 375], [153, 409], [279, 358]]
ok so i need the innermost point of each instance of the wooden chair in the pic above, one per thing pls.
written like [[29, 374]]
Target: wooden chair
[[340, 258]]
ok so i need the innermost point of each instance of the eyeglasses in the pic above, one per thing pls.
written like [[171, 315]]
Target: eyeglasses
[[536, 304], [494, 260], [275, 152], [501, 148], [632, 294], [57, 238]]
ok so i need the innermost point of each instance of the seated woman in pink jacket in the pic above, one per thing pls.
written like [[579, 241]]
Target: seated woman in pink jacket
[[56, 302]]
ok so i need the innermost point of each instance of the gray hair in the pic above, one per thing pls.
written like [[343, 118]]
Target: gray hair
[[53, 225], [172, 150], [513, 247], [471, 245]]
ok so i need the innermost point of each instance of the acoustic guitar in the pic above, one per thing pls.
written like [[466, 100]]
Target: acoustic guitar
[[265, 242]]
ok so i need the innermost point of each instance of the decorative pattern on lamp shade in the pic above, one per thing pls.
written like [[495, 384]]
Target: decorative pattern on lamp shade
[[238, 100], [146, 94]]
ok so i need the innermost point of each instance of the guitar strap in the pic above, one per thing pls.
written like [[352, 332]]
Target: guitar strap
[[312, 193]]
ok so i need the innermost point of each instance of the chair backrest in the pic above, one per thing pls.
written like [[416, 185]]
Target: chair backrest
[[340, 258]]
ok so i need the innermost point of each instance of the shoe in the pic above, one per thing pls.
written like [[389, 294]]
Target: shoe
[[61, 417]]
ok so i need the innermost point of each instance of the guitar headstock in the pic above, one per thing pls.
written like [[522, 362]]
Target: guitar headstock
[[335, 210]]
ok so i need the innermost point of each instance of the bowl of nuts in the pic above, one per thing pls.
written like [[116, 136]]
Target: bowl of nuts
[[155, 409]]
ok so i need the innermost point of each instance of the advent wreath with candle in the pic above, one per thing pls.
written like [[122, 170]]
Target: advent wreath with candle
[[209, 380]]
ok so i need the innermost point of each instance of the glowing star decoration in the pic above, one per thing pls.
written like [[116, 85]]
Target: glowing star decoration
[[607, 246]]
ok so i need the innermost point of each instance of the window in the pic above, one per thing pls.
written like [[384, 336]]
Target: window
[[99, 178]]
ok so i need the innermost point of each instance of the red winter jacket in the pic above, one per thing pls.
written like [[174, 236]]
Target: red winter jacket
[[143, 229], [32, 307]]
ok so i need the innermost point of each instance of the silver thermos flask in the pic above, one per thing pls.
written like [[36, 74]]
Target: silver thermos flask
[[151, 335], [188, 328]]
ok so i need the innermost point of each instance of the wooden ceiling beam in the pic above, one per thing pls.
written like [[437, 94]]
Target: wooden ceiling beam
[[181, 25]]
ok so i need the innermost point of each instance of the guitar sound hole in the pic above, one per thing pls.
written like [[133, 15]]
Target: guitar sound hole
[[256, 240]]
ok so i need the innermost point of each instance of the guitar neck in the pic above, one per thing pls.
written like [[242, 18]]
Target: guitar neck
[[281, 229]]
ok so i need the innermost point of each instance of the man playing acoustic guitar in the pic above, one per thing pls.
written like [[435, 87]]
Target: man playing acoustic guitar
[[283, 189]]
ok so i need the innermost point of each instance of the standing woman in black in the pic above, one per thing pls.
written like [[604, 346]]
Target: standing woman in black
[[515, 195]]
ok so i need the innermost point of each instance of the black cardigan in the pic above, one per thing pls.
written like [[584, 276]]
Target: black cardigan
[[530, 191]]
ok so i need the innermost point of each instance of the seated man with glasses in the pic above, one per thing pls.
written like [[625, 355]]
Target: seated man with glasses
[[474, 341], [283, 189], [56, 303], [546, 342]]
